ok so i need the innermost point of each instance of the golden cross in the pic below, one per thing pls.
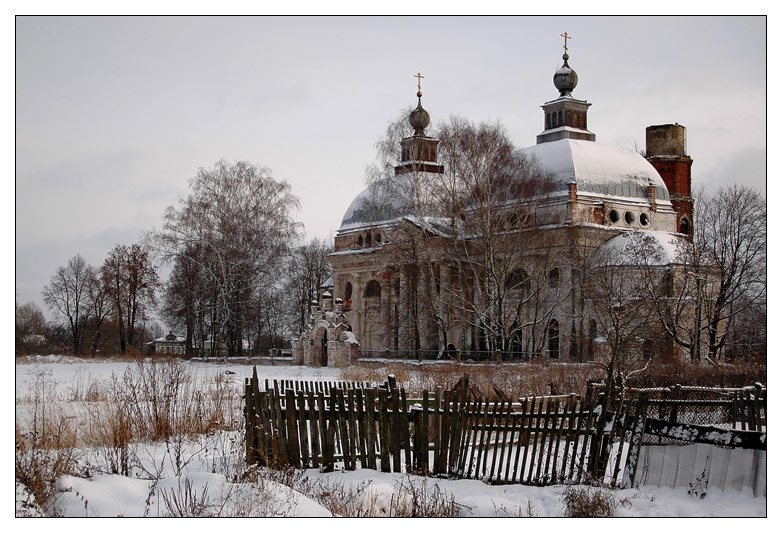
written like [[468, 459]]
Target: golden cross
[[566, 36], [419, 81]]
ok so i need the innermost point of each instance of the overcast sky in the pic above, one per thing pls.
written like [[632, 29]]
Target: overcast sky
[[115, 115]]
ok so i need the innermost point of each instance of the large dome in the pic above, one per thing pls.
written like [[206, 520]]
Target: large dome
[[598, 168]]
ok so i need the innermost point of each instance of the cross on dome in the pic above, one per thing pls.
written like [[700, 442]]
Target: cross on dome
[[566, 36], [419, 83]]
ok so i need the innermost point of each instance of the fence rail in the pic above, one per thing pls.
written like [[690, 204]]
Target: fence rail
[[538, 440]]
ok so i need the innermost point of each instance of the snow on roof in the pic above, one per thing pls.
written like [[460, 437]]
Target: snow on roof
[[654, 248], [164, 339], [598, 168], [382, 201]]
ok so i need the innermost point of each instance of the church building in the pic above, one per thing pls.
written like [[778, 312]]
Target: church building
[[599, 195]]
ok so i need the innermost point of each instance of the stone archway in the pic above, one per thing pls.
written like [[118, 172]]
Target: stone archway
[[320, 354]]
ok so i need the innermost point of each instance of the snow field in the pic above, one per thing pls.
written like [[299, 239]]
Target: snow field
[[205, 475]]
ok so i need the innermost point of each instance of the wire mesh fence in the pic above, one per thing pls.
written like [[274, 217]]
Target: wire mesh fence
[[723, 407]]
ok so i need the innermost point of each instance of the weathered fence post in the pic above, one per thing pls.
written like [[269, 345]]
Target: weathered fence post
[[371, 423], [249, 427], [636, 436]]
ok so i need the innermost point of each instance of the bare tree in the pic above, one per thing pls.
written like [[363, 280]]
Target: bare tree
[[405, 189], [238, 218], [748, 334], [496, 191], [30, 327], [729, 239], [463, 235], [308, 268], [131, 281], [67, 293], [718, 276], [184, 298], [618, 297], [100, 304]]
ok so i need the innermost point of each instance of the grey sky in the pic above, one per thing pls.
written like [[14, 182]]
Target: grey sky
[[114, 115]]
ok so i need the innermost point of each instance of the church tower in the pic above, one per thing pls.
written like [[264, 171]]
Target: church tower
[[666, 150], [565, 117], [419, 152]]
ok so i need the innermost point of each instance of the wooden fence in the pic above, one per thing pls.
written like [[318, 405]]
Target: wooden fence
[[537, 440]]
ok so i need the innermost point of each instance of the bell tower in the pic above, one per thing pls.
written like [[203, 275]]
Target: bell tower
[[565, 117], [419, 152], [666, 150]]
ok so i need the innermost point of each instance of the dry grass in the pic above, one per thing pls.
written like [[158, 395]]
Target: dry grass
[[588, 502], [159, 401], [491, 380], [498, 381], [707, 375], [45, 450]]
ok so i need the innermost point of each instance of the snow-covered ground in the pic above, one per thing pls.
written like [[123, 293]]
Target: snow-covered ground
[[199, 476]]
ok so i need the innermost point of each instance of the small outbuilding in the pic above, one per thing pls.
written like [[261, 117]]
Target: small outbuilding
[[171, 344]]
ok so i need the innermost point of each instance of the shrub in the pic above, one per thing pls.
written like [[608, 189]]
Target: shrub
[[588, 502]]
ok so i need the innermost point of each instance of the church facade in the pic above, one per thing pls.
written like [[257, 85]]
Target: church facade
[[598, 196]]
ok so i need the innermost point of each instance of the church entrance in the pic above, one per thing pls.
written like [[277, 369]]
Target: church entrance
[[320, 347]]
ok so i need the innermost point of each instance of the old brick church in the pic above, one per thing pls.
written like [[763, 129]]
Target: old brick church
[[378, 305]]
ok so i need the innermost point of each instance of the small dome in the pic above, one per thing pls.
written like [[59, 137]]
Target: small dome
[[419, 118], [652, 248], [380, 202], [565, 78]]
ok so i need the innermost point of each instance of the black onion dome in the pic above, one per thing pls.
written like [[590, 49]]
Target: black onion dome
[[419, 118], [565, 78]]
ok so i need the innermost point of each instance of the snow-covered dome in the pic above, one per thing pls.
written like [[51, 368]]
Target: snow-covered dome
[[382, 201], [598, 168], [654, 248]]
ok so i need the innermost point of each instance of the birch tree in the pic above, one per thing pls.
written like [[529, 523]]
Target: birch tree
[[239, 218]]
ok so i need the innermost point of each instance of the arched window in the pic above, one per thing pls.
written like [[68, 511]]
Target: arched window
[[373, 289], [592, 336], [360, 240], [561, 119], [553, 339], [369, 240], [553, 278], [666, 284], [569, 119], [348, 292], [548, 121], [685, 226], [517, 282], [378, 239]]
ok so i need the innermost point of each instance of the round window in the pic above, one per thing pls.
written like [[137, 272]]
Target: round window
[[613, 216], [644, 219], [629, 217]]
